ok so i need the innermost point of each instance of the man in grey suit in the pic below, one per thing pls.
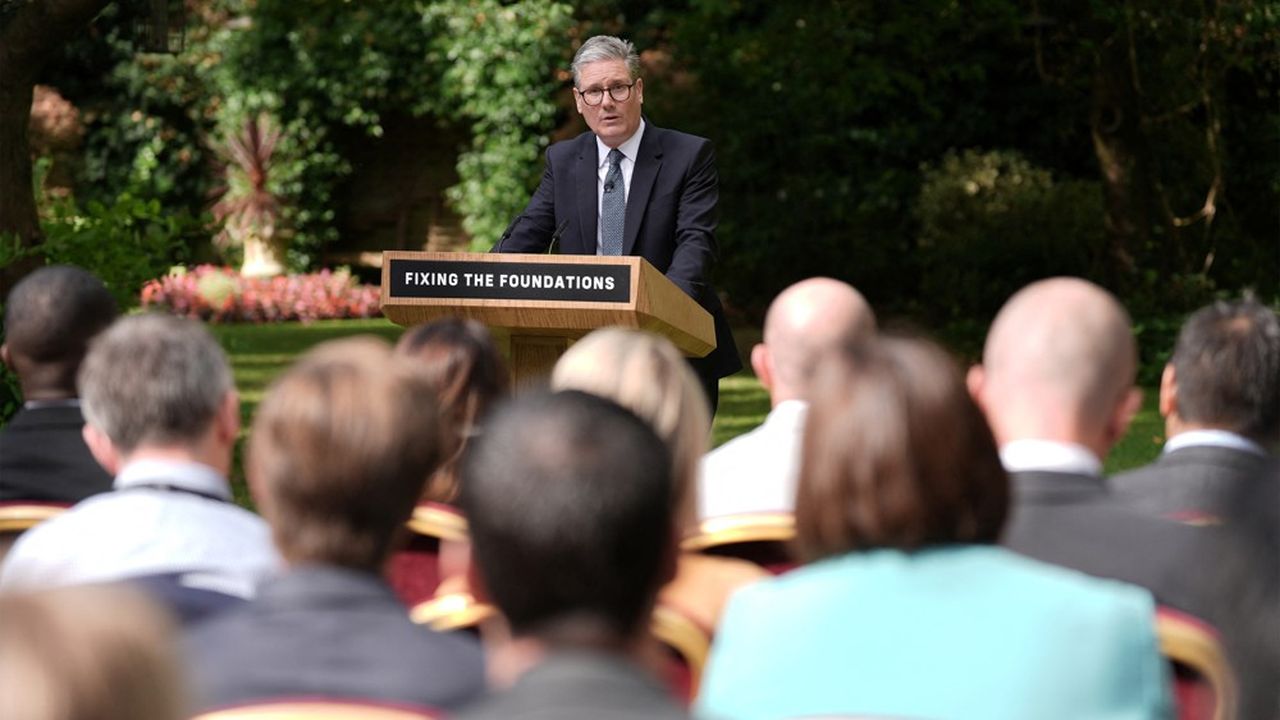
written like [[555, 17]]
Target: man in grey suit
[[1220, 398], [340, 450], [569, 501]]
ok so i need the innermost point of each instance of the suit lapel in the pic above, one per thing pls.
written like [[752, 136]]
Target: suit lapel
[[648, 161], [588, 163]]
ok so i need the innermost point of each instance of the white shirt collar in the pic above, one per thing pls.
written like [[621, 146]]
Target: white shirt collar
[[1049, 455], [1213, 438], [788, 411], [630, 148], [192, 476]]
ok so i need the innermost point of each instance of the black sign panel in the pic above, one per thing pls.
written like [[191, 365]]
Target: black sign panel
[[510, 281]]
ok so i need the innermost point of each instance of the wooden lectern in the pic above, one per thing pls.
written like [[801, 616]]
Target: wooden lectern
[[536, 305]]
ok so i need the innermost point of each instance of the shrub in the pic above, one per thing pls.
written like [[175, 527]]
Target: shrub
[[991, 222], [124, 243], [221, 295]]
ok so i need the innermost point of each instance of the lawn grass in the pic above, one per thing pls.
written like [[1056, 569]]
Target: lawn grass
[[260, 352]]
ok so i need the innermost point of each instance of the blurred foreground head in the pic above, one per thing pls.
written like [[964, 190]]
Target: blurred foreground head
[[896, 455], [87, 653], [646, 374], [808, 319], [1059, 364], [158, 381], [340, 449], [469, 377], [1225, 372], [568, 497], [49, 318]]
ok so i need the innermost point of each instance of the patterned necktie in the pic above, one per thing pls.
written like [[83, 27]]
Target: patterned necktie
[[613, 208]]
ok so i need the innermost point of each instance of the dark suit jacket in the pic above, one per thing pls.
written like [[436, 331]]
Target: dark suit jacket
[[670, 221], [581, 686], [320, 631], [1225, 483], [43, 457], [1073, 520], [1242, 490]]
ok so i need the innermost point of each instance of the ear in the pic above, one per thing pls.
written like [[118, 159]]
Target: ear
[[639, 90], [577, 102], [5, 357], [975, 380], [455, 559], [475, 580], [670, 558], [1168, 391], [1123, 415], [227, 421], [102, 449], [762, 364]]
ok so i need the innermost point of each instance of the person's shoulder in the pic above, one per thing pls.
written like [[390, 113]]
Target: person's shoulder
[[1071, 588], [571, 147]]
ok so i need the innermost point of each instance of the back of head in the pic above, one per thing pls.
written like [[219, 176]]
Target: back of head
[[50, 317], [1227, 367], [87, 653], [896, 455], [154, 379], [805, 321], [340, 448], [568, 497], [1059, 358], [469, 377], [646, 374]]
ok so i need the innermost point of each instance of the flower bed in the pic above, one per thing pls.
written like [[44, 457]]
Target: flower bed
[[220, 295]]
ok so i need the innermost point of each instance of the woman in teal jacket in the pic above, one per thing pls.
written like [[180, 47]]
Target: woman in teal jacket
[[908, 608]]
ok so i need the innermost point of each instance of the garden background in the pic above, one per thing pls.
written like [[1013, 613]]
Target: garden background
[[937, 155]]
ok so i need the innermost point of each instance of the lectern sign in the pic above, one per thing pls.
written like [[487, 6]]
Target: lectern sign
[[488, 280]]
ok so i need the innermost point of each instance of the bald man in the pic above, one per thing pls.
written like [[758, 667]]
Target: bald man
[[756, 472], [1056, 385]]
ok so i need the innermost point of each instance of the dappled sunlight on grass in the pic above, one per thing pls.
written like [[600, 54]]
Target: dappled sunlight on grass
[[1144, 440], [743, 406]]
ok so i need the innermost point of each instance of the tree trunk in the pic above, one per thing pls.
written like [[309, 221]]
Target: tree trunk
[[30, 36], [1114, 126], [17, 202]]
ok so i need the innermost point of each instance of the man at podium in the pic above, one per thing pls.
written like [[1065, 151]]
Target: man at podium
[[630, 188]]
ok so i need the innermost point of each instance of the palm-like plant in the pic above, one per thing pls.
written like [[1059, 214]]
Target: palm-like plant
[[248, 209]]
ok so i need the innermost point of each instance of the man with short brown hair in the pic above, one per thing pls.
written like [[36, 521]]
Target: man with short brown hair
[[341, 447]]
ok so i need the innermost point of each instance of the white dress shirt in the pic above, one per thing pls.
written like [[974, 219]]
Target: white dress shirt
[[1213, 438], [755, 472], [162, 517], [630, 150], [1049, 456]]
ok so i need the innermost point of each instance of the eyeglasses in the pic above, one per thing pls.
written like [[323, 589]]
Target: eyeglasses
[[595, 96]]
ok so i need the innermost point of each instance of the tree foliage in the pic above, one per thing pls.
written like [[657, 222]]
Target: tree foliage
[[825, 113]]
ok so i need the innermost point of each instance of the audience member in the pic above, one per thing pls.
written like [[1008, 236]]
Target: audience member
[[469, 377], [1057, 385], [756, 472], [340, 449], [162, 415], [49, 318], [87, 653], [908, 608], [1220, 398], [570, 501], [646, 374]]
